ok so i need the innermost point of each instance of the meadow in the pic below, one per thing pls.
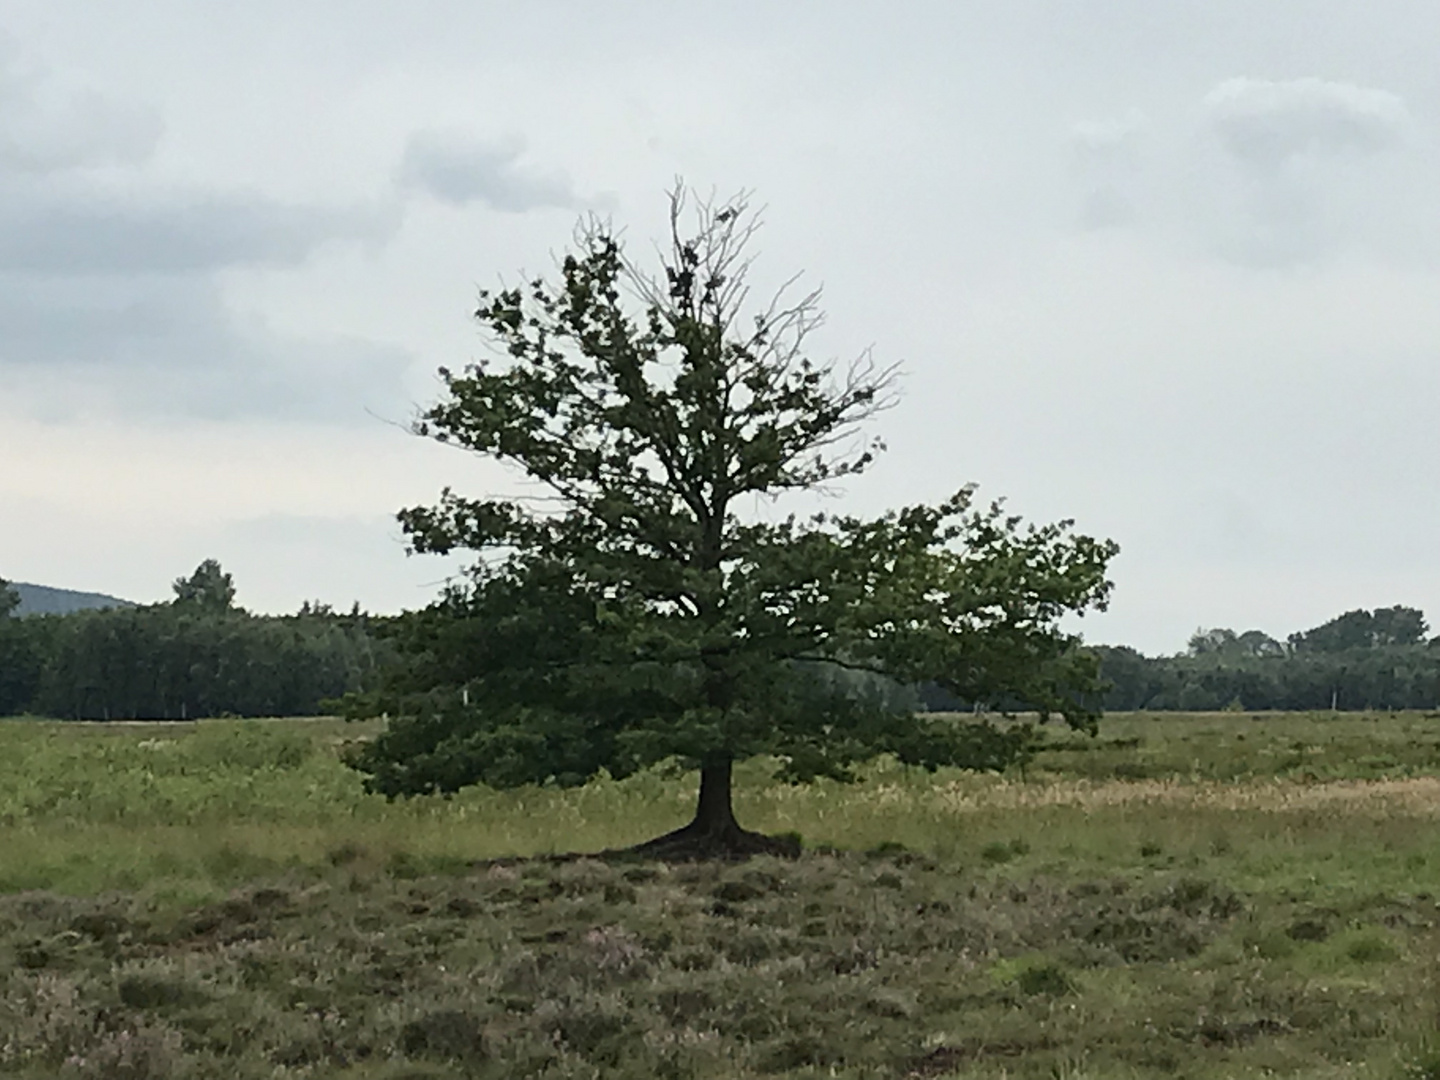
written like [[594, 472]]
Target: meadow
[[1213, 895]]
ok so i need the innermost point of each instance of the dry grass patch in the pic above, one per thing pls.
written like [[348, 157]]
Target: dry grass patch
[[1414, 796]]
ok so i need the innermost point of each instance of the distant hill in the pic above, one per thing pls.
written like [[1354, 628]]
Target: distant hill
[[44, 600]]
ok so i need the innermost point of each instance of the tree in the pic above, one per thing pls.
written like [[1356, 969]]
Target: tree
[[632, 615], [1258, 643], [9, 598], [1225, 644], [1399, 625], [19, 665], [1219, 639], [208, 589], [1361, 629]]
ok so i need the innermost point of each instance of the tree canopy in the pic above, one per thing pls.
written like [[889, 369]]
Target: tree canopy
[[209, 589], [632, 612], [1361, 629]]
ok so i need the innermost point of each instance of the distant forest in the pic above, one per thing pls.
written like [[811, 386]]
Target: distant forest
[[198, 655], [201, 655], [1360, 660]]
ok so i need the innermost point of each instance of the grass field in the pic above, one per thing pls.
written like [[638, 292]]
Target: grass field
[[1199, 896]]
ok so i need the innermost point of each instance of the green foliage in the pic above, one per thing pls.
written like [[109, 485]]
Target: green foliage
[[209, 589], [638, 617], [24, 646], [176, 661], [1224, 642], [1359, 660], [1362, 629]]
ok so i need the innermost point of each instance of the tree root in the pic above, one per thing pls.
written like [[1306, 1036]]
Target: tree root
[[692, 843]]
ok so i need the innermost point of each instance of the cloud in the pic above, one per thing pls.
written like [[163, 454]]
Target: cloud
[[1265, 173], [1108, 138], [88, 231], [1309, 169], [115, 280], [111, 295], [164, 348], [1263, 123], [47, 127], [112, 304], [459, 170], [1106, 156]]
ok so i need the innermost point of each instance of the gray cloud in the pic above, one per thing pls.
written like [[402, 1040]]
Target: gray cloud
[[109, 299], [84, 231], [112, 306], [459, 170], [1264, 123], [45, 127], [166, 348]]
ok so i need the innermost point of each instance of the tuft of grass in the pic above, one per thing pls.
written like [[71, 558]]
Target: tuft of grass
[[1044, 979], [1369, 945], [1003, 851]]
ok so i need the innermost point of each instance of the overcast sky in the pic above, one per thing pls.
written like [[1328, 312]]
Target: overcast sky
[[1169, 269]]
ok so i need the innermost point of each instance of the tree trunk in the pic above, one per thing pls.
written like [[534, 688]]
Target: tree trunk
[[714, 812], [714, 833]]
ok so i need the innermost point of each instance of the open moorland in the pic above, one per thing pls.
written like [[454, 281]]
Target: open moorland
[[1218, 895]]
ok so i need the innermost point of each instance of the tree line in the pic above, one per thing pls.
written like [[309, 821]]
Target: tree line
[[202, 655], [1359, 660], [195, 656]]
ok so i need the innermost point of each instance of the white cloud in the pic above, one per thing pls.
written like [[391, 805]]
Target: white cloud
[[1106, 157], [1264, 123], [1312, 170], [1109, 137], [1266, 173], [112, 304]]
